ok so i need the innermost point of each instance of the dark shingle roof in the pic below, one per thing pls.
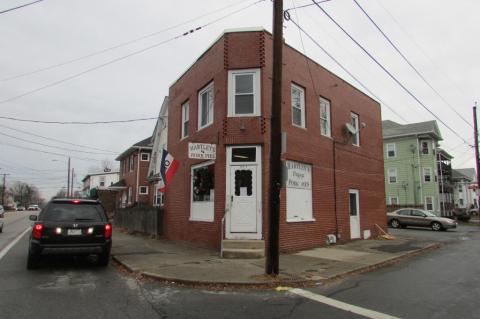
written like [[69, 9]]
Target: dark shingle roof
[[391, 129], [144, 144], [456, 174]]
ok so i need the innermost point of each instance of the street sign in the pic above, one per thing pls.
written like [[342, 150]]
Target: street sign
[[202, 151]]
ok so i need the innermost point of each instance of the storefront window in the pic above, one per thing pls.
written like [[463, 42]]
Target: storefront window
[[203, 192]]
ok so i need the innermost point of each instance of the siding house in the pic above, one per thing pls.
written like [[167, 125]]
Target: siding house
[[411, 165], [101, 180], [465, 186], [333, 171]]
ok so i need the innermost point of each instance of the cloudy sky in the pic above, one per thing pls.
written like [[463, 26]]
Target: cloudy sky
[[440, 38]]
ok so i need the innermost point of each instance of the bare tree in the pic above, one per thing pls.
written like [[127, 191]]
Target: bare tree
[[25, 194], [105, 166]]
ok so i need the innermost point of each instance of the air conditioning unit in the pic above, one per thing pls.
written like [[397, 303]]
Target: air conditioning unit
[[331, 239]]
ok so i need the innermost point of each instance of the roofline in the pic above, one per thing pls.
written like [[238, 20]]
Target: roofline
[[131, 149], [439, 138]]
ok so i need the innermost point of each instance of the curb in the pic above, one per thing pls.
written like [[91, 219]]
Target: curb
[[281, 282]]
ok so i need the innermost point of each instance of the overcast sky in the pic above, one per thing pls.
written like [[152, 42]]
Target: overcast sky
[[440, 38]]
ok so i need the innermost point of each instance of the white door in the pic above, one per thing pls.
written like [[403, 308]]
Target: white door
[[354, 214], [243, 199]]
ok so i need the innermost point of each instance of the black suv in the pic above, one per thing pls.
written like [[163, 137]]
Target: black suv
[[70, 226]]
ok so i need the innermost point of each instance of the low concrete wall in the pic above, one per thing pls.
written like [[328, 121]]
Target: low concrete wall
[[144, 219]]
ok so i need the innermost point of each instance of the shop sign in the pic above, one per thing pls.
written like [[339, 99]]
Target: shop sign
[[202, 151]]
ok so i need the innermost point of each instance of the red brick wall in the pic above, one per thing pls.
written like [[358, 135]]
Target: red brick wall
[[130, 177], [360, 168]]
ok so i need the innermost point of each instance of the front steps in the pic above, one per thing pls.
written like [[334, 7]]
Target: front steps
[[243, 249]]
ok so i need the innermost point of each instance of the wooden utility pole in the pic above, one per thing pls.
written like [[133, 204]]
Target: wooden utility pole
[[272, 260], [68, 179], [71, 185], [475, 128], [4, 188]]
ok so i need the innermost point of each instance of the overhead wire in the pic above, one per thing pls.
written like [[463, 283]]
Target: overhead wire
[[21, 6], [76, 75], [390, 74], [410, 63], [47, 152]]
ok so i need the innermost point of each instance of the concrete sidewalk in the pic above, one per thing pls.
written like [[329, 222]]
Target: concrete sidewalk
[[179, 263]]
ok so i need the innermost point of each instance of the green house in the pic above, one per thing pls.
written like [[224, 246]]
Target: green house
[[411, 166]]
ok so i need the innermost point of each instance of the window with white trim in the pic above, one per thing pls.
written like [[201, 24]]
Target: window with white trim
[[298, 106], [132, 163], [299, 192], [143, 190], [393, 200], [202, 192], [244, 92], [391, 150], [102, 181], [425, 149], [145, 157], [159, 198], [356, 125], [392, 175], [429, 203], [427, 174], [325, 129], [185, 119], [205, 106]]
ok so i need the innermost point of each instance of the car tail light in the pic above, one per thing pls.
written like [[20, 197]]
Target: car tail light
[[76, 201], [37, 231], [108, 231]]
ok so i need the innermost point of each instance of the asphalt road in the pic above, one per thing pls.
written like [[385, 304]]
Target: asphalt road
[[441, 284]]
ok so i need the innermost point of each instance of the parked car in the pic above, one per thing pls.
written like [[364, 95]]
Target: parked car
[[20, 208], [419, 218], [2, 213], [462, 214], [473, 211], [33, 207], [70, 226]]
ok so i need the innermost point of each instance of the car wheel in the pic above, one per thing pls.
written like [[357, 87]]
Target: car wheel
[[103, 259], [395, 223], [436, 226], [32, 261]]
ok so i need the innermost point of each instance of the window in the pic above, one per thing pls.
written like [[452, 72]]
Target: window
[[102, 181], [404, 212], [424, 148], [202, 192], [298, 106], [132, 162], [392, 175], [205, 106], [419, 213], [429, 203], [143, 190], [244, 154], [325, 117], [427, 174], [391, 150], [356, 126], [393, 200], [244, 92], [130, 194], [145, 157], [299, 191], [185, 118], [460, 201], [460, 188]]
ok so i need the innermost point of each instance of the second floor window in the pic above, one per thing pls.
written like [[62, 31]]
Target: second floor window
[[102, 181], [427, 174], [185, 118], [205, 106], [392, 175], [391, 151], [132, 163], [244, 92], [356, 125], [325, 117], [425, 148], [298, 106], [145, 157]]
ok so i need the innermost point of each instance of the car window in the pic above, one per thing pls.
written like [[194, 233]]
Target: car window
[[404, 212], [73, 212], [418, 213]]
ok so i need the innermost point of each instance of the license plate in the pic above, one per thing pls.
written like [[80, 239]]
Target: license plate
[[74, 232]]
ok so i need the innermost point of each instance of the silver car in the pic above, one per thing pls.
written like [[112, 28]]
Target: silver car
[[419, 218]]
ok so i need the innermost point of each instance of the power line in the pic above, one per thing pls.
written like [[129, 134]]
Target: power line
[[47, 152], [57, 147], [306, 5], [390, 74], [56, 65], [56, 140], [287, 17], [409, 63], [23, 5], [77, 122], [76, 75]]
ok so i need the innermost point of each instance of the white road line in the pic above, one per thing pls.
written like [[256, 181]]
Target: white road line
[[5, 250], [342, 305]]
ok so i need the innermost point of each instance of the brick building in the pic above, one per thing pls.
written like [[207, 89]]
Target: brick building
[[133, 186], [333, 170]]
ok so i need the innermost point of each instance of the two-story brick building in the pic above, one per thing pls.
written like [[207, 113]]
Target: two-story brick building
[[133, 187], [333, 171]]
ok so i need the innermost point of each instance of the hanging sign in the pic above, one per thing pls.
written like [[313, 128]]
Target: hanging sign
[[298, 175], [202, 151]]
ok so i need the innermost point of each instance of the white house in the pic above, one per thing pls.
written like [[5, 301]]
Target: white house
[[465, 185], [99, 180], [159, 141]]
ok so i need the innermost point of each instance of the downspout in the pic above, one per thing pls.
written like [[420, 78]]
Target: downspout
[[335, 188], [138, 173], [420, 173]]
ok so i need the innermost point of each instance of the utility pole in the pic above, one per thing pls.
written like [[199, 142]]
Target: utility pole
[[4, 187], [71, 185], [68, 179], [475, 128], [272, 260]]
